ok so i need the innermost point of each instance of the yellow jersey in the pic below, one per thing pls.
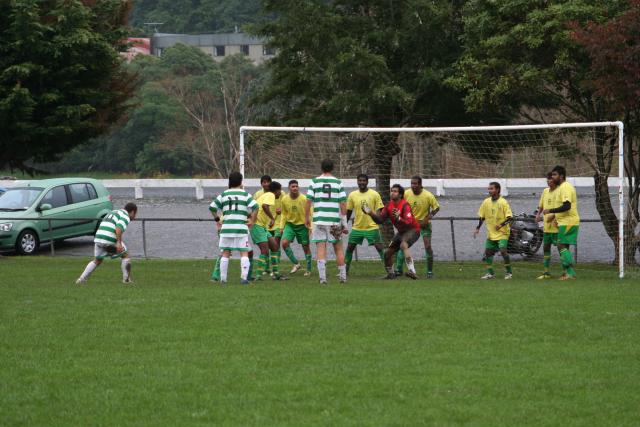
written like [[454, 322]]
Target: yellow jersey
[[495, 212], [567, 193], [356, 200], [268, 199], [292, 209], [548, 201], [258, 194], [421, 204]]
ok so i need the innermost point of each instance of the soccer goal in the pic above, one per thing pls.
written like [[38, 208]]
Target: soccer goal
[[457, 163]]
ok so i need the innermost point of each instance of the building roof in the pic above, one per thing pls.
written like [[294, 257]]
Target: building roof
[[163, 40]]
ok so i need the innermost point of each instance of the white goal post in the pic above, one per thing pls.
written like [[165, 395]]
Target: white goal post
[[619, 182]]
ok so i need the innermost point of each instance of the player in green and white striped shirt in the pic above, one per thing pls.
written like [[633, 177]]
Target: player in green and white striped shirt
[[239, 211], [108, 242], [328, 199]]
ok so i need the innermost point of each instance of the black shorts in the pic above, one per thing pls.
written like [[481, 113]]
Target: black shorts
[[410, 236]]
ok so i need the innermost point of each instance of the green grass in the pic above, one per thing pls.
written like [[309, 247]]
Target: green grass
[[177, 350]]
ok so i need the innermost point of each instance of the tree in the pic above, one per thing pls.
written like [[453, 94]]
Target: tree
[[520, 59], [60, 77], [363, 62], [614, 50]]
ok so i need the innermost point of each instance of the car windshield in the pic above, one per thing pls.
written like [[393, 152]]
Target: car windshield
[[19, 199]]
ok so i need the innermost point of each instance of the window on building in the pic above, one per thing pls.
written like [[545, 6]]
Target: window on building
[[268, 51], [244, 49], [218, 51]]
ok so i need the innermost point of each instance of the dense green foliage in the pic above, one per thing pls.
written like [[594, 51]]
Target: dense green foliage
[[60, 79], [177, 350], [179, 125]]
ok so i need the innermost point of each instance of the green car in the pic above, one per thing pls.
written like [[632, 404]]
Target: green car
[[74, 206]]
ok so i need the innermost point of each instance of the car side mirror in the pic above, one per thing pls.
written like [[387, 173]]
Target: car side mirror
[[44, 207]]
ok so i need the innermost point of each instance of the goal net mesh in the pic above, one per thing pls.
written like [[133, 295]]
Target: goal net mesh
[[457, 166]]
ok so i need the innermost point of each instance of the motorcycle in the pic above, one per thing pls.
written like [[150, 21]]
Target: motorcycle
[[526, 235]]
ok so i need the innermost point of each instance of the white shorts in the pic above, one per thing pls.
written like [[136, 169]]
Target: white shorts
[[102, 251], [322, 233], [239, 244]]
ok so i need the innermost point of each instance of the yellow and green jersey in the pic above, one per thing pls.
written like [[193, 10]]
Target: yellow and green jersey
[[421, 204], [268, 199], [356, 200], [292, 210], [548, 201], [495, 212], [258, 194], [567, 193]]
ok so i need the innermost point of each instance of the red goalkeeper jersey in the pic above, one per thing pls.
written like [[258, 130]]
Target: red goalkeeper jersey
[[405, 221]]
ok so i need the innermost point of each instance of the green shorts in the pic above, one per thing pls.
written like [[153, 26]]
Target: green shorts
[[275, 233], [356, 237], [568, 234], [425, 231], [293, 232], [550, 239], [496, 244], [259, 234]]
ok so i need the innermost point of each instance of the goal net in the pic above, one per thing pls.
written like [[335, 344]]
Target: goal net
[[457, 164]]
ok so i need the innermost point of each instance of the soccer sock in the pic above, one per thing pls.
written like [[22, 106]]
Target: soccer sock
[[290, 255], [567, 261], [244, 267], [215, 275], [224, 269], [547, 261], [322, 270], [399, 261], [262, 265], [308, 258], [507, 263], [410, 266], [381, 254], [88, 270], [348, 257], [125, 266], [428, 255], [489, 262], [250, 272], [267, 266], [274, 263], [342, 270]]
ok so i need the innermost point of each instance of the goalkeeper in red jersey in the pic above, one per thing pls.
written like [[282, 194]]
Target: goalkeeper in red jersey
[[407, 227]]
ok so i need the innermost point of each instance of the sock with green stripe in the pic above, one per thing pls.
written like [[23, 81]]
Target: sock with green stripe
[[309, 260], [215, 274], [399, 261], [567, 261], [348, 257], [507, 263], [289, 252], [428, 255], [261, 264], [274, 263], [547, 262], [489, 261]]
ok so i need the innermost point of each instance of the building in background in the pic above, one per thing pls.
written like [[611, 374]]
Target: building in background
[[216, 45], [137, 46]]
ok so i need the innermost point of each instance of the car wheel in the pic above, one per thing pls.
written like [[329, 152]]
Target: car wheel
[[27, 243]]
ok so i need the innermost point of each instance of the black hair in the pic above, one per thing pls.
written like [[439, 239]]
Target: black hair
[[495, 184], [265, 178], [131, 207], [326, 165], [235, 179], [363, 175], [293, 181], [549, 175], [275, 186], [400, 189], [560, 170], [417, 178]]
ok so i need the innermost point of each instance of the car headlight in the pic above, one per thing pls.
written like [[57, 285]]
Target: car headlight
[[6, 226]]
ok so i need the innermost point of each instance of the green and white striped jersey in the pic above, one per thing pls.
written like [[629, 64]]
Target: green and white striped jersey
[[106, 234], [236, 206], [326, 193]]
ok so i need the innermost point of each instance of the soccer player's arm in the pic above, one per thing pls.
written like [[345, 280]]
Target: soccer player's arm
[[379, 205], [342, 197], [406, 216], [566, 202], [480, 220], [378, 217], [253, 205], [508, 215], [307, 206], [350, 206], [121, 226], [540, 208], [434, 206], [285, 213]]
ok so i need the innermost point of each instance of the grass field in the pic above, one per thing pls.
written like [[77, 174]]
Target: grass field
[[177, 350]]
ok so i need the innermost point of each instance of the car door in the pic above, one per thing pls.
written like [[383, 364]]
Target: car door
[[60, 214], [85, 205]]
